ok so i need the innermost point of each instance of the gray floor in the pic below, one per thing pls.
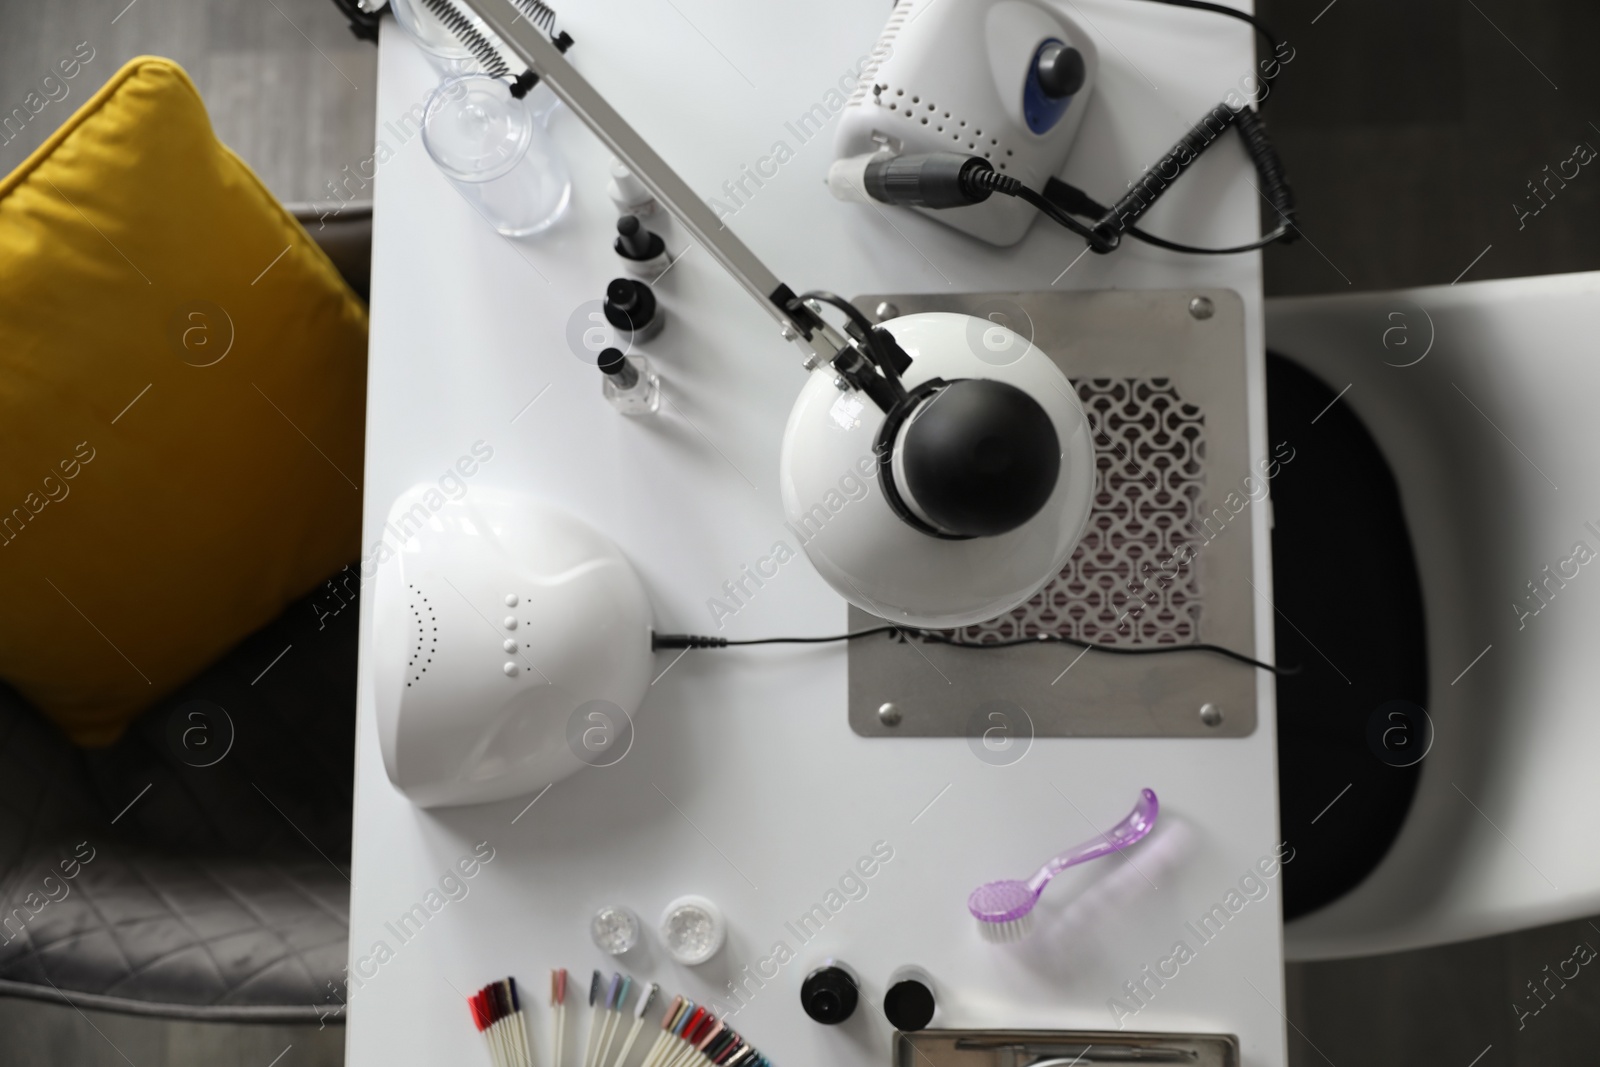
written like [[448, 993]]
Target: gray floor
[[288, 87], [1409, 131], [1444, 1007]]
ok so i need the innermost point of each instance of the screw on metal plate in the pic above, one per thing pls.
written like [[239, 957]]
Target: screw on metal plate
[[1202, 308], [1210, 714], [886, 310], [841, 384], [889, 714], [789, 332]]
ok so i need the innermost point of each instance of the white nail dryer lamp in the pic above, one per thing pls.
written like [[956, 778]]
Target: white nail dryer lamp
[[499, 626]]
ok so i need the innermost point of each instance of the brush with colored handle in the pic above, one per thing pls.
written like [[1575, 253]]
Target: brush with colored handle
[[1004, 910]]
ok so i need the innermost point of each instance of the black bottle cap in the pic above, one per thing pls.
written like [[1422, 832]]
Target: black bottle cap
[[829, 995], [630, 305], [635, 242], [908, 1005], [1061, 70], [615, 366], [980, 458]]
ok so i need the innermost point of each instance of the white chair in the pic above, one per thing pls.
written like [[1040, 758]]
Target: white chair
[[1485, 399]]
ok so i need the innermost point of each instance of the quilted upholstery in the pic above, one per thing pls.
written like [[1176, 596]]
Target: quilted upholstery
[[216, 891]]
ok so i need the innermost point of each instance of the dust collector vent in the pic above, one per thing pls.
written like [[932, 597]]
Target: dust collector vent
[[424, 636], [1124, 585]]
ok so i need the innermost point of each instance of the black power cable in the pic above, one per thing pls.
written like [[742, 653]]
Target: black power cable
[[666, 642]]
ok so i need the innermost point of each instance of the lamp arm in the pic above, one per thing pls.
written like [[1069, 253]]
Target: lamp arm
[[797, 322]]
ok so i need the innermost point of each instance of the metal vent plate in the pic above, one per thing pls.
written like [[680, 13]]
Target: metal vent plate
[[1165, 559]]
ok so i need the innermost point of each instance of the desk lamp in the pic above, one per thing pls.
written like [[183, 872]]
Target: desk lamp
[[979, 447]]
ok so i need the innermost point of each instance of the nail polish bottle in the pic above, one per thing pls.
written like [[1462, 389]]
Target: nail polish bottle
[[830, 993], [628, 192], [631, 309], [629, 383], [643, 253], [908, 1003]]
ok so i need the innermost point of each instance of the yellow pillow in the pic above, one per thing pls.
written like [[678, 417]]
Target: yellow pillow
[[182, 390]]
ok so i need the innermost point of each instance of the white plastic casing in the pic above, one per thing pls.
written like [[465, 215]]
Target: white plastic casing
[[872, 558], [949, 76], [500, 619]]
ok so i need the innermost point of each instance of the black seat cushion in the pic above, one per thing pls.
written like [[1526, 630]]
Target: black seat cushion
[[208, 850], [1349, 613]]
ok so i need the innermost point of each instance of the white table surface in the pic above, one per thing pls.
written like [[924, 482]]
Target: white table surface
[[745, 782]]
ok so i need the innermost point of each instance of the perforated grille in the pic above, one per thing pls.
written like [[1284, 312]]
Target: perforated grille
[[1126, 583]]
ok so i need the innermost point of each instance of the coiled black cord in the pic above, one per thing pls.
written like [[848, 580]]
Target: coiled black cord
[[1060, 201], [1119, 218], [1275, 189]]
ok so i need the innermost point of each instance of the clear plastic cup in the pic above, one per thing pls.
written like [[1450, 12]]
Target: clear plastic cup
[[494, 149]]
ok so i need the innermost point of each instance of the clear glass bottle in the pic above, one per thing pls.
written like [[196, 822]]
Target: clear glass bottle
[[629, 383]]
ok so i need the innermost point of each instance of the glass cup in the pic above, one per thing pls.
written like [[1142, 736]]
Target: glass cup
[[494, 149]]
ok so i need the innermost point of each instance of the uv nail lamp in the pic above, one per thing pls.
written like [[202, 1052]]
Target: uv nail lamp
[[1007, 80], [508, 636]]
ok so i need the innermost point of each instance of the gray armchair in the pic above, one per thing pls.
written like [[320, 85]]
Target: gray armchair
[[198, 868]]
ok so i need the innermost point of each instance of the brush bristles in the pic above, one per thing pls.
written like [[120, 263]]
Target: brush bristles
[[1007, 932]]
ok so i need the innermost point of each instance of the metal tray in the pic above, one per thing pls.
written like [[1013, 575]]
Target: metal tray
[[1163, 379], [1057, 1048]]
